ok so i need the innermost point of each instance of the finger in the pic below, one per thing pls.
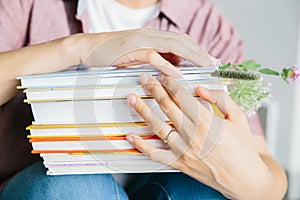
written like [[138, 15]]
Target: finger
[[172, 58], [154, 58], [181, 45], [153, 86], [159, 127], [105, 53], [124, 65], [163, 156], [194, 110], [224, 102]]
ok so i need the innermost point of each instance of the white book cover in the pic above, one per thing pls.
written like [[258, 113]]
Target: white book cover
[[90, 157], [106, 77], [104, 169], [98, 111], [84, 130], [90, 145], [105, 92]]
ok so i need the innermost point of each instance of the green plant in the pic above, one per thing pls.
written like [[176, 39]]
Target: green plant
[[247, 87]]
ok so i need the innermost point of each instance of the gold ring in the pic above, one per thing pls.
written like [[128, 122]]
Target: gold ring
[[169, 135]]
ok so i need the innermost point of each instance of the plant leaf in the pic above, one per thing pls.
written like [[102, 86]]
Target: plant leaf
[[269, 71], [225, 66], [247, 62], [251, 64]]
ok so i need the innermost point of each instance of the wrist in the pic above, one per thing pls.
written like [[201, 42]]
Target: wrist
[[244, 182], [84, 44], [70, 48], [265, 182]]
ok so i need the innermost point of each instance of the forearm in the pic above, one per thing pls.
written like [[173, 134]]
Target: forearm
[[43, 58], [102, 49]]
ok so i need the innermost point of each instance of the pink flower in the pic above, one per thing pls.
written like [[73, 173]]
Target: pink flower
[[294, 74], [291, 73]]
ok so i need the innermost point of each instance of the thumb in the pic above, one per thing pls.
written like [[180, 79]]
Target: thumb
[[222, 100]]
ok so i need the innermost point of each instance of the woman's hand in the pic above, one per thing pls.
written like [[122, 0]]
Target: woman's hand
[[156, 47], [102, 49], [216, 151]]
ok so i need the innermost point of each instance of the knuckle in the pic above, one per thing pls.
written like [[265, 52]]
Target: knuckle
[[151, 55], [155, 155], [165, 104], [177, 164], [177, 92], [136, 143], [140, 107], [152, 87], [218, 95], [152, 156], [145, 113], [167, 82], [160, 130], [170, 40]]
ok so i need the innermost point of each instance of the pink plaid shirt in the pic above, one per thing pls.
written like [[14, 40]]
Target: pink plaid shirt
[[28, 22]]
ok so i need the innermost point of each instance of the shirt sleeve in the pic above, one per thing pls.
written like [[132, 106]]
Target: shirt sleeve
[[216, 34], [14, 22]]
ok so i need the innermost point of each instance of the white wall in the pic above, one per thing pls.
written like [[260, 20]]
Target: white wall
[[270, 30], [294, 169]]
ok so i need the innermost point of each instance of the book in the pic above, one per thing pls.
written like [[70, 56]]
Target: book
[[90, 143], [81, 118], [104, 77], [88, 130], [91, 163], [104, 92], [91, 111], [135, 167]]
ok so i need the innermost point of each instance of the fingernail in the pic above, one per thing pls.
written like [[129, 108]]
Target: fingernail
[[160, 77], [144, 77], [129, 138], [131, 99], [136, 136]]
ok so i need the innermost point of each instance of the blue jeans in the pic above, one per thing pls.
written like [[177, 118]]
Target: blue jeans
[[33, 183], [171, 186]]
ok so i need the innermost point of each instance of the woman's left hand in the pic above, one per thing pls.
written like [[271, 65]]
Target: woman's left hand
[[218, 151]]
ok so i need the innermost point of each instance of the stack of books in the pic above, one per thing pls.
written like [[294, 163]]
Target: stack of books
[[81, 118]]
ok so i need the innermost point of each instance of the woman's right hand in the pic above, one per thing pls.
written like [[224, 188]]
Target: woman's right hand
[[218, 151]]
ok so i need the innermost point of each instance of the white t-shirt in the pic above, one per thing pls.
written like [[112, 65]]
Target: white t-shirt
[[110, 15]]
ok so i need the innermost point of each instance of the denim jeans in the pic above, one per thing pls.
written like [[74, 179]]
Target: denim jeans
[[33, 183], [171, 186]]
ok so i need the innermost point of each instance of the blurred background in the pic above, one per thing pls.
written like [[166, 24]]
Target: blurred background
[[271, 33]]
